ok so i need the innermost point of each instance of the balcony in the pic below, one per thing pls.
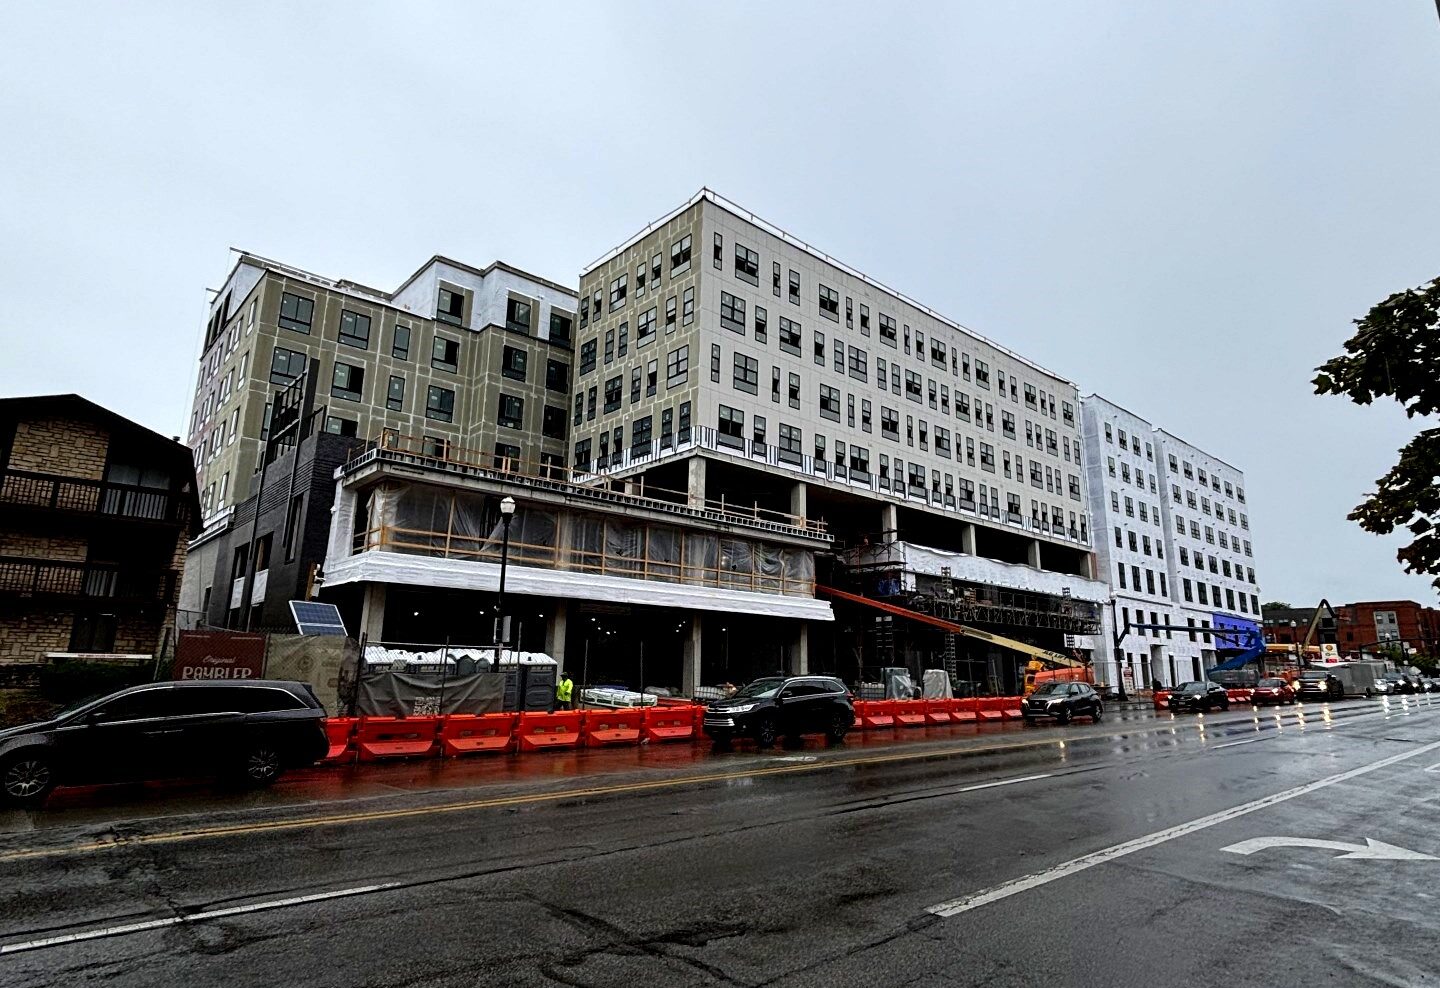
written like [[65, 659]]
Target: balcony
[[57, 579], [25, 489]]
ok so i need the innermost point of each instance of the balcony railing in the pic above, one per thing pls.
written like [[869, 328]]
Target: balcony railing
[[20, 576], [25, 488]]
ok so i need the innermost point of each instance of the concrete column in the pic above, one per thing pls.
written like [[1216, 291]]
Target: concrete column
[[372, 612], [555, 633], [967, 540], [696, 481], [1034, 553], [1087, 565], [690, 660], [889, 523], [800, 659], [797, 500]]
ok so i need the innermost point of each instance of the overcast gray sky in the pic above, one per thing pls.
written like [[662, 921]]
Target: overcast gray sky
[[1179, 206]]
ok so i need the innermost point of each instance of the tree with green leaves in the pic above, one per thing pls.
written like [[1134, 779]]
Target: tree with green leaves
[[1395, 353]]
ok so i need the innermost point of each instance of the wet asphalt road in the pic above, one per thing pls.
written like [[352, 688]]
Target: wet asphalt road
[[1085, 855]]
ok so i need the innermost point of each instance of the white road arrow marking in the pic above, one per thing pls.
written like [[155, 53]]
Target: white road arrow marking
[[1373, 849]]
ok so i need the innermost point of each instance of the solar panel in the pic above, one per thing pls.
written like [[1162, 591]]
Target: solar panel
[[313, 618]]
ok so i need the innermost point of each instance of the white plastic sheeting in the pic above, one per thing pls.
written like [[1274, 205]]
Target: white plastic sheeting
[[976, 569], [380, 654], [460, 574], [616, 698]]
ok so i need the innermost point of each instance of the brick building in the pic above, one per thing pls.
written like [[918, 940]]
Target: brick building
[[1364, 625], [95, 514]]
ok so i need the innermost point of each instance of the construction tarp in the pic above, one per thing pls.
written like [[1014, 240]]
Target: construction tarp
[[404, 694], [922, 559]]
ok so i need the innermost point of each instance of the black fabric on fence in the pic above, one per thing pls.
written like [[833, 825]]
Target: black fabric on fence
[[404, 694]]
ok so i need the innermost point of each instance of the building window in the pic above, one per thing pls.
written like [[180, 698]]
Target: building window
[[617, 292], [677, 366], [614, 391], [640, 435], [829, 303], [517, 315], [395, 396], [296, 312], [789, 336], [732, 313], [450, 307], [747, 265], [670, 314], [732, 426], [718, 256], [859, 364], [553, 422], [588, 352], [820, 348], [679, 256], [634, 385], [560, 325], [791, 450], [645, 327], [512, 411], [687, 307], [624, 347], [794, 390], [286, 366], [512, 363], [557, 376], [651, 375], [887, 329], [445, 354], [440, 404], [794, 287], [400, 343], [747, 374], [761, 318], [355, 329], [830, 403], [339, 426]]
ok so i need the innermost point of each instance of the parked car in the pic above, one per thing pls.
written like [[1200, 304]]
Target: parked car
[[1198, 696], [1393, 684], [1276, 691], [250, 730], [1062, 701], [782, 707], [1317, 684], [1431, 684]]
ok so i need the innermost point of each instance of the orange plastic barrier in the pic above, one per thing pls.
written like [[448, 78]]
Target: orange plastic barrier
[[1010, 707], [1162, 699], [1240, 696], [670, 723], [965, 711], [991, 708], [607, 727], [698, 724], [937, 711], [909, 713], [463, 734], [874, 715], [539, 730], [338, 730], [395, 737]]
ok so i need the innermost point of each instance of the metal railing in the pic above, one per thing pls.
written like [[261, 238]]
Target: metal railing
[[26, 488], [58, 578], [448, 545]]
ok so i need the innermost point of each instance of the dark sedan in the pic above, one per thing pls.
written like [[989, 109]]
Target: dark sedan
[[1198, 696], [1061, 702], [249, 730]]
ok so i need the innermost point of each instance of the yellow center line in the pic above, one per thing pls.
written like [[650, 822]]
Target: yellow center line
[[651, 785]]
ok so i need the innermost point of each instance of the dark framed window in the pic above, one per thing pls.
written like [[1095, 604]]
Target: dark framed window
[[553, 422], [557, 375], [450, 307], [645, 327], [436, 446], [582, 455], [400, 343], [677, 366], [445, 354], [355, 329], [588, 352], [747, 374], [338, 425], [829, 300], [618, 288], [511, 413], [614, 391], [761, 323], [512, 363], [286, 366], [395, 396], [747, 265], [790, 336], [560, 327], [715, 363], [679, 254], [731, 429], [507, 455], [794, 287], [296, 312], [518, 313], [732, 313], [440, 404]]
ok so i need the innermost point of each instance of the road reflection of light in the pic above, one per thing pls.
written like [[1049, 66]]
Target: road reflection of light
[[1329, 721]]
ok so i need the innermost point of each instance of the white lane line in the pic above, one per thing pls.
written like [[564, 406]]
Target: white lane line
[[1015, 886], [1004, 782], [199, 917], [1231, 744], [1433, 768]]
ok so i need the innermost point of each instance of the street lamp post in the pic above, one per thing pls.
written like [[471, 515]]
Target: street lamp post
[[507, 511], [1295, 640], [1118, 636]]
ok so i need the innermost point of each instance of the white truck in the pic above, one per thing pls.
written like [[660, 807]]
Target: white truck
[[1358, 678]]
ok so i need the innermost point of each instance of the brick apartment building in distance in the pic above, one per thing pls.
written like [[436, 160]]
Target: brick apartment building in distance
[[1173, 540], [1364, 626], [95, 515]]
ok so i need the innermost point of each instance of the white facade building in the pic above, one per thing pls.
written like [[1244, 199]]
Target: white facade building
[[1173, 541]]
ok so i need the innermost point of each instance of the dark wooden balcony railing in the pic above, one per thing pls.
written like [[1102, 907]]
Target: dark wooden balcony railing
[[25, 488], [24, 577]]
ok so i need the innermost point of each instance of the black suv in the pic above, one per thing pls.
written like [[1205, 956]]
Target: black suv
[[1062, 701], [1199, 696], [778, 706], [1316, 684], [251, 730]]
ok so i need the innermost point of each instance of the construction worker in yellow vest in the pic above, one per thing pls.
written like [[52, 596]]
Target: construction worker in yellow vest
[[564, 689]]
